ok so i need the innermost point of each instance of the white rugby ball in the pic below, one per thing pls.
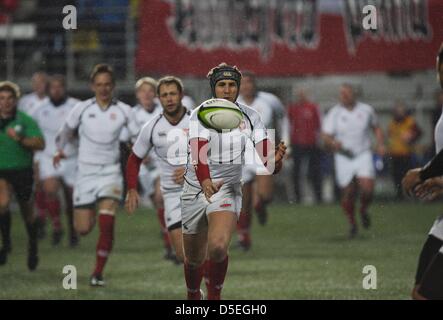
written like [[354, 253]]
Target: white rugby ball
[[220, 114]]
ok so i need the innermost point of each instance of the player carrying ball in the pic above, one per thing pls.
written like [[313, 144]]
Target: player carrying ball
[[212, 197]]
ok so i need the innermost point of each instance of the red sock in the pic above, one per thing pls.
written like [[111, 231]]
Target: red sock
[[105, 240], [193, 277], [40, 204], [161, 219], [217, 273], [348, 207], [243, 228], [53, 206]]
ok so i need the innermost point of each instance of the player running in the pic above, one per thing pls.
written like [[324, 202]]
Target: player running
[[49, 115], [273, 115], [212, 197], [167, 135], [427, 183], [149, 107], [20, 136], [98, 187], [346, 131]]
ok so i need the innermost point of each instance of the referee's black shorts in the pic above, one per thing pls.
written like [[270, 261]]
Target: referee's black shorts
[[21, 180]]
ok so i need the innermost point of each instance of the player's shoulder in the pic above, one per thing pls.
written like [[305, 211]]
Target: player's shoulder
[[249, 112], [24, 117], [365, 107], [153, 122], [71, 101], [335, 109], [126, 108]]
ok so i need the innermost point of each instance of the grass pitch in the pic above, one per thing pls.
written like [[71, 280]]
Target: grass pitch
[[303, 253]]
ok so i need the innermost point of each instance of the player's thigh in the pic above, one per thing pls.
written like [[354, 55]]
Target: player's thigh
[[366, 185], [264, 186], [247, 197], [221, 225], [176, 237], [51, 185], [157, 197], [195, 247], [84, 220], [107, 205], [350, 190], [5, 195]]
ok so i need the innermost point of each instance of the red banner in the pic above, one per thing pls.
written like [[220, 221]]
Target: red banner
[[287, 38]]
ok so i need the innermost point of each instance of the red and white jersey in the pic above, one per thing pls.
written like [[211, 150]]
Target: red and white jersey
[[99, 130], [50, 118], [139, 117], [30, 102], [352, 128], [271, 111], [226, 150], [168, 142]]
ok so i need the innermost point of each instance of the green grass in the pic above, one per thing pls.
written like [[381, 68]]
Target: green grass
[[302, 253]]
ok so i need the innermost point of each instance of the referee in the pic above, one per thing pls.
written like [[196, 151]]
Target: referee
[[20, 136]]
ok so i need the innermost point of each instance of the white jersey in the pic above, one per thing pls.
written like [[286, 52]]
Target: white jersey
[[99, 130], [351, 127], [50, 118], [226, 150], [139, 117], [30, 102], [188, 102], [271, 111], [169, 142], [438, 134]]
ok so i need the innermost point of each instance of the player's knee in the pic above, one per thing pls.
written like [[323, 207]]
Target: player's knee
[[218, 251], [82, 228]]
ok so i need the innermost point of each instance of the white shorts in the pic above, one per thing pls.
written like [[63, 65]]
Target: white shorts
[[253, 165], [147, 180], [94, 182], [195, 207], [362, 166], [173, 209], [437, 228], [66, 171]]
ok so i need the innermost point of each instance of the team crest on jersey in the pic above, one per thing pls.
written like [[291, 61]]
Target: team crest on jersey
[[186, 131], [113, 116]]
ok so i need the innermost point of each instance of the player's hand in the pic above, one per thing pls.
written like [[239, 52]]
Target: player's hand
[[430, 189], [57, 158], [210, 188], [411, 180], [13, 134], [280, 152], [132, 201], [146, 160], [336, 146], [179, 175]]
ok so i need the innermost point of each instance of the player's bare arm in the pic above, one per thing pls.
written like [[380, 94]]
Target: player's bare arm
[[380, 148], [331, 143], [32, 143]]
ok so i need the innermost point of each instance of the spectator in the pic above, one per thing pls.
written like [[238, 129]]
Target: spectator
[[305, 126], [403, 132]]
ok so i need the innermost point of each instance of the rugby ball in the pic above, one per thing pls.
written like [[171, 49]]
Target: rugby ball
[[220, 114]]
